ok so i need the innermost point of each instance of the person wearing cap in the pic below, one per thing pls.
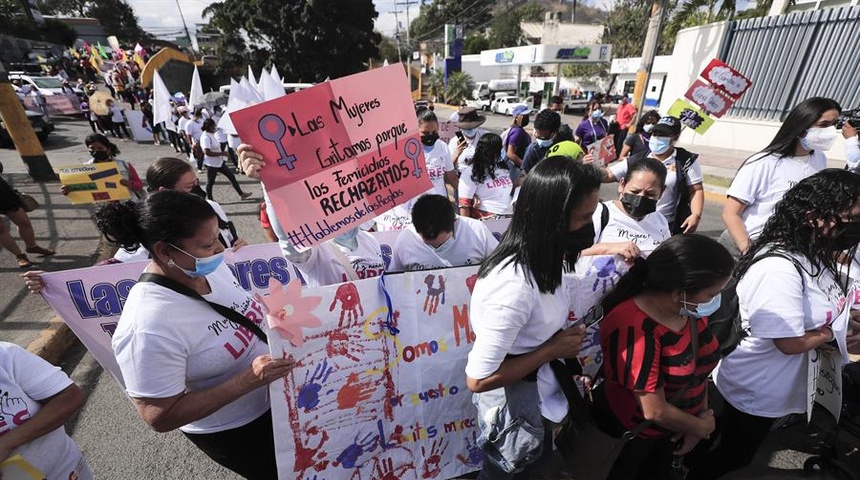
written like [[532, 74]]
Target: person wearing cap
[[683, 199], [516, 141], [566, 148], [462, 148], [547, 124]]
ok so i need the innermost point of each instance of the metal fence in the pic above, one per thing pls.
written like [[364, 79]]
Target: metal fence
[[793, 57]]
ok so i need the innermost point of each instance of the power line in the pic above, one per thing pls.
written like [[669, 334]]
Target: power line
[[442, 25]]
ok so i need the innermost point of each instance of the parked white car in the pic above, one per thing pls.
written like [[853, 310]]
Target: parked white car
[[506, 105]]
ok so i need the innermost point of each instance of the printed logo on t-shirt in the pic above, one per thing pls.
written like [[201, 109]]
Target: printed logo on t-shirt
[[238, 338], [503, 181], [13, 412], [366, 270], [436, 173]]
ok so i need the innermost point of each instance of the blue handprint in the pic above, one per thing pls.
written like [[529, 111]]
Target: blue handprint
[[606, 271], [349, 457], [309, 393], [474, 454]]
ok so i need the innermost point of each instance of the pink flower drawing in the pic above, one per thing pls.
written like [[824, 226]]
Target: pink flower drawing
[[289, 312]]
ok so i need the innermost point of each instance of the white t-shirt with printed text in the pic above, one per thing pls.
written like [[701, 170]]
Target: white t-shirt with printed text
[[494, 194], [509, 315], [668, 202], [469, 152], [167, 344], [471, 244], [438, 163], [757, 378], [25, 381], [647, 234], [324, 268], [763, 180]]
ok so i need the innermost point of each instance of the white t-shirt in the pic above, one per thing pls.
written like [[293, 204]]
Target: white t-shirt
[[116, 114], [208, 140], [510, 316], [763, 180], [167, 343], [225, 232], [471, 244], [647, 234], [469, 152], [397, 218], [668, 202], [852, 153], [322, 267], [756, 377], [194, 128], [25, 380], [182, 123], [220, 134], [438, 163], [494, 194], [233, 141]]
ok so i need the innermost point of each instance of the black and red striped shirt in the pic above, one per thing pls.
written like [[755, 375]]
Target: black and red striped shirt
[[641, 355]]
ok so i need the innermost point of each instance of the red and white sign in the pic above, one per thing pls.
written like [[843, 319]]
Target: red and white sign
[[712, 100], [726, 78], [603, 151]]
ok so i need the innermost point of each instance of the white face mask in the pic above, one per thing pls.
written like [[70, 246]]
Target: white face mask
[[648, 127], [818, 138]]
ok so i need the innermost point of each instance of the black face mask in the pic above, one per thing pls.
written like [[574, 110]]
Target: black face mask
[[100, 155], [429, 139], [196, 190], [637, 206], [845, 236], [579, 240]]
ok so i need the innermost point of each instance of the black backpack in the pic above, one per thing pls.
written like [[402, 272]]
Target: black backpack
[[725, 323], [683, 161]]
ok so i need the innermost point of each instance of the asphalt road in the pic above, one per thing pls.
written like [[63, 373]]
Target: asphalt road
[[114, 439]]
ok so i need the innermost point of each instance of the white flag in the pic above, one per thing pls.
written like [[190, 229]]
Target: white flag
[[196, 95], [161, 108]]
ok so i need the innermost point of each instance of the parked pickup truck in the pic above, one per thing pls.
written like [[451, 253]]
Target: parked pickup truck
[[577, 103]]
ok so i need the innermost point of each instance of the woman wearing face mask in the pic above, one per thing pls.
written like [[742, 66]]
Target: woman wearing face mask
[[354, 254], [630, 226], [637, 144], [593, 126], [790, 296], [462, 147], [683, 199], [520, 312], [103, 150], [213, 158], [486, 186], [658, 353], [179, 372], [796, 152], [516, 140], [440, 167]]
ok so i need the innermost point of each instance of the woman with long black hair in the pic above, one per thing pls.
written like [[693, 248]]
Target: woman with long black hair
[[790, 295], [485, 185], [658, 353], [520, 309], [796, 152]]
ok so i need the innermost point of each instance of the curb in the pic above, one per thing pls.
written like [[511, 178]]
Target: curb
[[55, 340]]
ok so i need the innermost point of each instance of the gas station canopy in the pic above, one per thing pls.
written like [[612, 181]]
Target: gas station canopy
[[540, 54]]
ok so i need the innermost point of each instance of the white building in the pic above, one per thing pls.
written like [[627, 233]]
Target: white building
[[624, 70]]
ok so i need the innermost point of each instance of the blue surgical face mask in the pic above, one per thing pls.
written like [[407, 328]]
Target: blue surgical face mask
[[597, 114], [471, 132], [702, 309], [543, 143], [659, 145], [202, 266]]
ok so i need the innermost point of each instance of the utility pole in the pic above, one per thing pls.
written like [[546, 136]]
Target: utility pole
[[407, 4], [643, 75], [185, 26], [21, 131]]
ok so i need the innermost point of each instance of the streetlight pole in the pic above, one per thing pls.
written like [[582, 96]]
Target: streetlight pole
[[19, 128], [643, 75], [407, 4]]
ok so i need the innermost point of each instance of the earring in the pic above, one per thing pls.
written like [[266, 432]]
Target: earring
[[170, 263]]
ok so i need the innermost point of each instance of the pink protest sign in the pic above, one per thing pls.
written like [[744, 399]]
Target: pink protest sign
[[726, 78], [337, 154], [712, 100], [603, 151]]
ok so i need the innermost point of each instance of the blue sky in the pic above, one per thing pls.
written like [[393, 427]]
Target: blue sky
[[162, 16]]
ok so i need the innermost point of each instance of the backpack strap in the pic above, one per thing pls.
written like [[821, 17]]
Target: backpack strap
[[227, 312]]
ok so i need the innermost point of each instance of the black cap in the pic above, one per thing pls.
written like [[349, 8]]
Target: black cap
[[667, 126]]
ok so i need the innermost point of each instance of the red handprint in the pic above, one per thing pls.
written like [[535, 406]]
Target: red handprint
[[431, 302], [342, 343], [350, 305], [470, 282], [384, 469], [354, 392], [432, 467]]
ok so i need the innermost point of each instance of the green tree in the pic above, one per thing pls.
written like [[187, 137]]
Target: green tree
[[14, 22], [505, 28], [460, 86], [387, 49], [625, 28], [116, 16], [475, 44], [308, 40]]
